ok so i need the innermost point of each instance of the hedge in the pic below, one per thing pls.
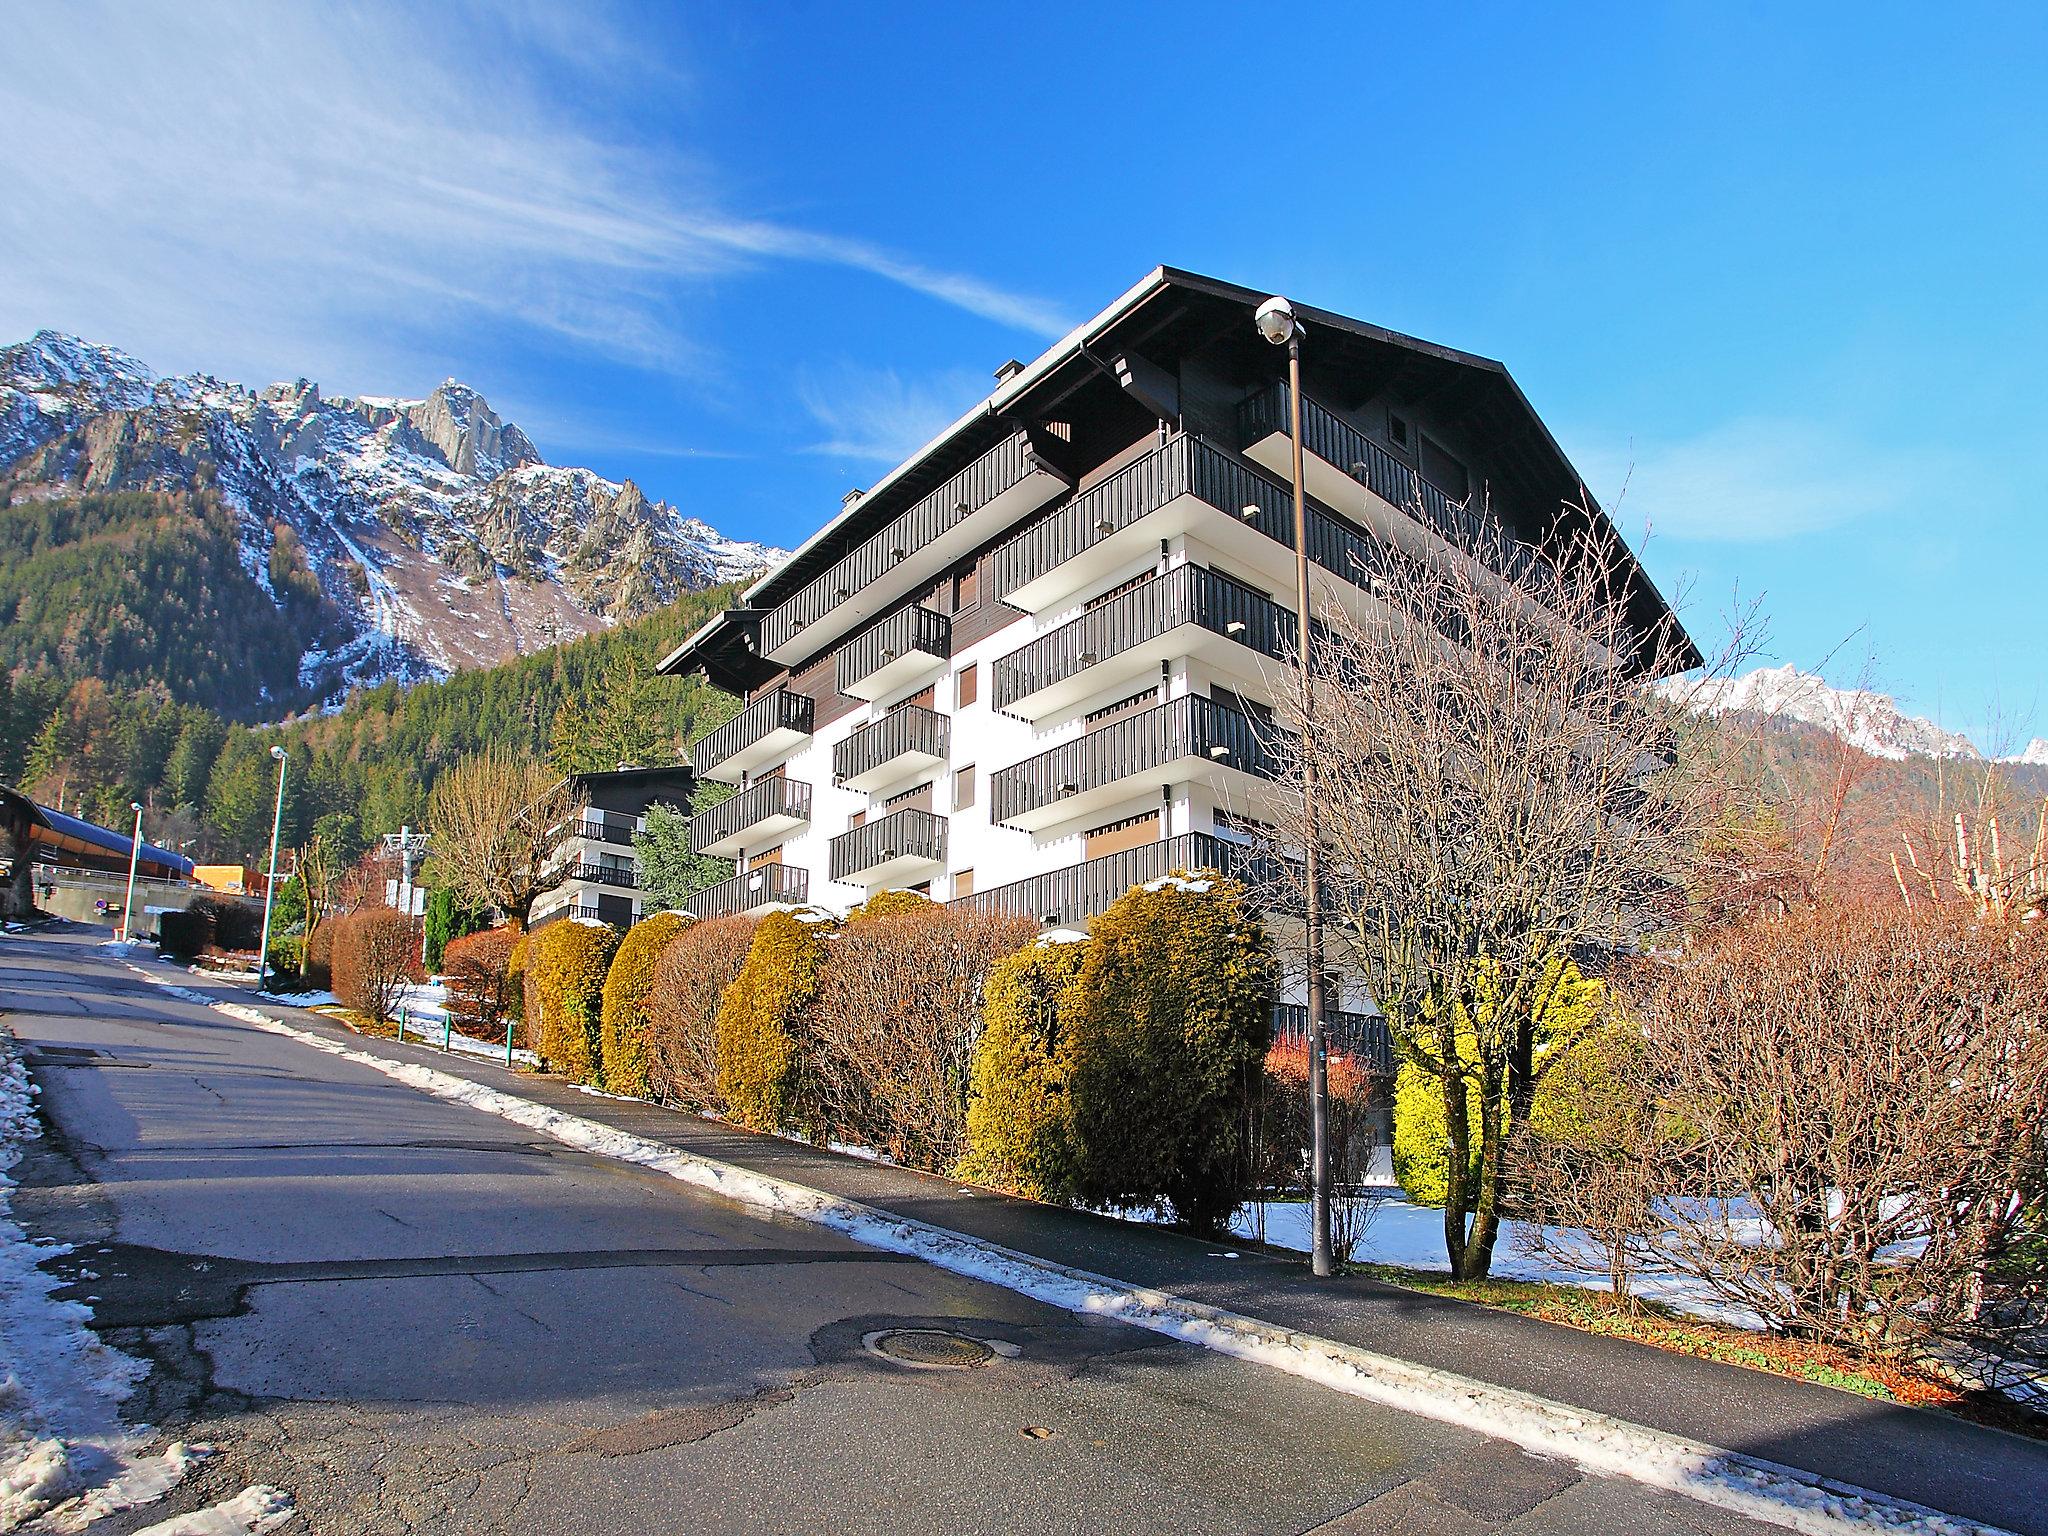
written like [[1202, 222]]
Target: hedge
[[690, 978], [1175, 1017], [762, 1023], [481, 986], [209, 923], [564, 995], [318, 970], [890, 904], [1020, 1132], [623, 1015]]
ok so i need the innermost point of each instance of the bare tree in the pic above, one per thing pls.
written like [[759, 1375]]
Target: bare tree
[[318, 873], [1501, 787], [500, 823]]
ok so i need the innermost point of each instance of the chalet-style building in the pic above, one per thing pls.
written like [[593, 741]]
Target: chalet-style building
[[1039, 662], [604, 875]]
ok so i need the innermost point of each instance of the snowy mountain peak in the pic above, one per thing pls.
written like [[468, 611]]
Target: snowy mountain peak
[[2036, 754], [73, 372], [1868, 720]]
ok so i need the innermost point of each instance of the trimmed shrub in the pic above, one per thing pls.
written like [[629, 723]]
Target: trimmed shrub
[[235, 926], [1176, 1016], [623, 1016], [445, 921], [183, 935], [1020, 1132], [899, 1009], [690, 978], [209, 923], [481, 987], [376, 958], [287, 962], [763, 1021], [518, 976], [565, 990], [1422, 1142], [890, 904], [318, 970]]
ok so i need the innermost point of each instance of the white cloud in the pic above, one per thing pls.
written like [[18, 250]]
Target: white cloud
[[876, 414], [1757, 479], [269, 186]]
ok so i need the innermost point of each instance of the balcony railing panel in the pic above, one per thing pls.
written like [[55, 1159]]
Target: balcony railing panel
[[623, 876], [780, 710], [905, 834], [789, 883], [1362, 1036], [908, 631], [988, 477], [1080, 891], [1186, 727], [1188, 594], [769, 800], [606, 827], [909, 730]]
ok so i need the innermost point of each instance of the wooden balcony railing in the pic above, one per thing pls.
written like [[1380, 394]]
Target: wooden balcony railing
[[771, 799], [779, 710], [904, 834]]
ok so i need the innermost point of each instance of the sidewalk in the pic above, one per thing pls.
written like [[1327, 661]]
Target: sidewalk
[[1924, 1457]]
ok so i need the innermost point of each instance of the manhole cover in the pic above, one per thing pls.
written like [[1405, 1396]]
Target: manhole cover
[[929, 1348]]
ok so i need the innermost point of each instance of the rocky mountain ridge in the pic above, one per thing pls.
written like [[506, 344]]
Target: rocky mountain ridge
[[434, 528], [1868, 720]]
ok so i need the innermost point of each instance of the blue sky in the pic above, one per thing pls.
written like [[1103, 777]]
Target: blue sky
[[1775, 269]]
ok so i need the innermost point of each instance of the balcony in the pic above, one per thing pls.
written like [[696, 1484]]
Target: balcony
[[909, 844], [1190, 611], [1080, 891], [772, 725], [1006, 483], [1338, 460], [1184, 486], [762, 811], [1172, 742], [910, 645], [625, 877], [606, 827], [901, 742], [770, 885], [1361, 1036]]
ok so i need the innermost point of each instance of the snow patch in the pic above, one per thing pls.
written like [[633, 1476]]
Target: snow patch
[[251, 1512]]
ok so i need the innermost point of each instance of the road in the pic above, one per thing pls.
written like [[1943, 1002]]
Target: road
[[417, 1317]]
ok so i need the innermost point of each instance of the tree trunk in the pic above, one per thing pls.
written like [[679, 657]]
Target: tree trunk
[[1458, 1166]]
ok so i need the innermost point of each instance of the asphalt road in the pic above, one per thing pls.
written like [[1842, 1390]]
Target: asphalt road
[[416, 1317]]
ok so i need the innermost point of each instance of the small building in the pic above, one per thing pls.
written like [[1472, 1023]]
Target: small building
[[604, 874], [230, 879], [39, 845]]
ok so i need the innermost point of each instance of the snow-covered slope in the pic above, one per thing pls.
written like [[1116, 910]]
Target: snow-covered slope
[[2035, 755], [433, 526], [1865, 719]]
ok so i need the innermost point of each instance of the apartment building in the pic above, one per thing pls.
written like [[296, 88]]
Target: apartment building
[[1041, 661], [603, 881]]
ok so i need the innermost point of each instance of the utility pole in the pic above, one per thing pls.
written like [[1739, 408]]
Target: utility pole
[[270, 882], [134, 857]]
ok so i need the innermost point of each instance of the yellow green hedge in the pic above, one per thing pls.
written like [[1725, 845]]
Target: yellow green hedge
[[1020, 1134], [623, 1016], [761, 1025], [888, 904], [567, 965]]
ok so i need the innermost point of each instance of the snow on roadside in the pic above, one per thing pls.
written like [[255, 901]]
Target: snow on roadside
[[1609, 1447], [251, 1512], [65, 1453]]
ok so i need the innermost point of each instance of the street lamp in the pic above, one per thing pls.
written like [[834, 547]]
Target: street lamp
[[134, 857], [1276, 322], [270, 883]]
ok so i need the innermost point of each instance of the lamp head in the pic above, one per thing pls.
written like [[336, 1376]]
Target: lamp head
[[135, 806], [1276, 321], [278, 753]]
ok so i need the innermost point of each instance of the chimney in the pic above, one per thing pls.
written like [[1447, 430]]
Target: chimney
[[847, 501], [1007, 372]]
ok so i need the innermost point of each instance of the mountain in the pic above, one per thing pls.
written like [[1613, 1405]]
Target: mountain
[[1868, 720], [437, 537], [2035, 755]]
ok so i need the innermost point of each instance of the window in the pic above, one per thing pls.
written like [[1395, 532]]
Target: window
[[967, 688], [1397, 431], [1250, 708], [1115, 836], [772, 856], [967, 588], [919, 799], [924, 698], [857, 819], [963, 788], [963, 884], [1117, 591], [1444, 471], [1096, 719]]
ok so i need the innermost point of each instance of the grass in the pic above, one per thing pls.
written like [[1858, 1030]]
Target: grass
[[1827, 1365]]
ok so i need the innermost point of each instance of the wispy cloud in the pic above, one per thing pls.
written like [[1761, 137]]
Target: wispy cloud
[[876, 415], [300, 175], [1757, 479]]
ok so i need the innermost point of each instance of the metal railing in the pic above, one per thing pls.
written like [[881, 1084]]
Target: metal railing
[[1189, 726], [1188, 594], [1363, 1036], [908, 629], [757, 803], [572, 909], [624, 876], [1080, 891], [779, 710], [995, 472], [908, 833], [789, 883], [1465, 525], [908, 728], [606, 827]]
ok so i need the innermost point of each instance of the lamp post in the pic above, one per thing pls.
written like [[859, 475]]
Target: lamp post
[[1277, 324], [270, 882], [134, 857]]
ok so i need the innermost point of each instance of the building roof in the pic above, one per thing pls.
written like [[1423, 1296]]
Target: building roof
[[1172, 310], [88, 842]]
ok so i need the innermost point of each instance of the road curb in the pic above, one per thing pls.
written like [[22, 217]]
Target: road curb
[[1598, 1443]]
